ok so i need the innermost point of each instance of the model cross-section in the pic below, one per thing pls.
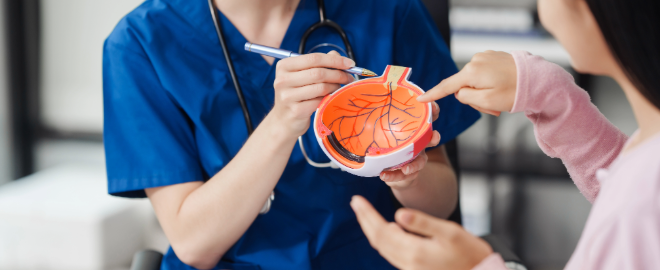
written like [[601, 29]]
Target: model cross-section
[[374, 124]]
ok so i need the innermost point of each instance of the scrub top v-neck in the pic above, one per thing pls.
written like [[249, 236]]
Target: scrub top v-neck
[[172, 116], [251, 68]]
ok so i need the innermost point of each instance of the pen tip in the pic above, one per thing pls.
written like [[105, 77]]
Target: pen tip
[[368, 73]]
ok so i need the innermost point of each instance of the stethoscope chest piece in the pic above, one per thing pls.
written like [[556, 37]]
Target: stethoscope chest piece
[[268, 203]]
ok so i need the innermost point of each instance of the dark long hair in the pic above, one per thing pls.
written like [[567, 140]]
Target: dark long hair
[[632, 31]]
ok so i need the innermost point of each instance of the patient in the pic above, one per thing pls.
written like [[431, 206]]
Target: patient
[[619, 175]]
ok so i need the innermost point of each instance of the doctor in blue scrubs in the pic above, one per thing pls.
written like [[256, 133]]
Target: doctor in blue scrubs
[[175, 131]]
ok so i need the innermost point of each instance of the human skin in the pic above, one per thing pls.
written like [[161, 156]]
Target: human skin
[[488, 83], [190, 213]]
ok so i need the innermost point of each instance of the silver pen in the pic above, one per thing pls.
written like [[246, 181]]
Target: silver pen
[[281, 54]]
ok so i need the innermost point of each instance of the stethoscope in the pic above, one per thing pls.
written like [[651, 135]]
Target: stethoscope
[[323, 22]]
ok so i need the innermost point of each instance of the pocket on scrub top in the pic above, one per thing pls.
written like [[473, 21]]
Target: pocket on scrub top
[[236, 266]]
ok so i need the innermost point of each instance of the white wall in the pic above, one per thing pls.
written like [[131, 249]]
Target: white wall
[[5, 124], [73, 32]]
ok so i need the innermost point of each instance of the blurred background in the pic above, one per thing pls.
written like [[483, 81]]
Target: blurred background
[[54, 209]]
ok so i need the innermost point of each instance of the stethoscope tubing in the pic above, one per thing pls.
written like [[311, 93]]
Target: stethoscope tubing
[[230, 65], [324, 22]]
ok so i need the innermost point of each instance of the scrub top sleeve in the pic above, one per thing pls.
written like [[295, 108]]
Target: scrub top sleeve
[[419, 45], [149, 140]]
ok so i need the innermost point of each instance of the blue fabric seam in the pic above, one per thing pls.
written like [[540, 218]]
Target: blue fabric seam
[[117, 185]]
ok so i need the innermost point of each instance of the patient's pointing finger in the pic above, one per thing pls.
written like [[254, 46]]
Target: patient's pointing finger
[[445, 87]]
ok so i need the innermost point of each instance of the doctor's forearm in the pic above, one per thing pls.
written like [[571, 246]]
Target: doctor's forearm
[[213, 216], [435, 191]]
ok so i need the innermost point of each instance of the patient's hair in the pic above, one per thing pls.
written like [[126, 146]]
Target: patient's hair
[[632, 31]]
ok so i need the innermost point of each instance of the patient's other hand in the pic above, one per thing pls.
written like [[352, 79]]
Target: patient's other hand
[[420, 241], [487, 83]]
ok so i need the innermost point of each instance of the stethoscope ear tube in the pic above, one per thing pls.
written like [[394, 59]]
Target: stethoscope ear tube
[[333, 25], [230, 65]]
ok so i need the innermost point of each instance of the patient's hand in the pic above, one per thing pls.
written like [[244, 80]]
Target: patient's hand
[[431, 244], [487, 83]]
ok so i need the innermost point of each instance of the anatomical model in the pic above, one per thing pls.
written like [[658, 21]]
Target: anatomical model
[[375, 124]]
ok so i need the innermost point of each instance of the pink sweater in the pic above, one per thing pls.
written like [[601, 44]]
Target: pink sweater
[[623, 228]]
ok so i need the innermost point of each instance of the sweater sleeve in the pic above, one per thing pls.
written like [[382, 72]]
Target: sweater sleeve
[[566, 124]]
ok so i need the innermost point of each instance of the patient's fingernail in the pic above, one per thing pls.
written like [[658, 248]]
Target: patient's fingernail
[[349, 62], [406, 170]]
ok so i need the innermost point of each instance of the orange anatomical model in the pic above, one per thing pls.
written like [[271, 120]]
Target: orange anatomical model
[[374, 124]]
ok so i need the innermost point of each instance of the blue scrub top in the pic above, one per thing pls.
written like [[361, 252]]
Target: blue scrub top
[[172, 116]]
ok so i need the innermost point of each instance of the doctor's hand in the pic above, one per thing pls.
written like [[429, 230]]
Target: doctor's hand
[[420, 241], [301, 83], [406, 175], [487, 83]]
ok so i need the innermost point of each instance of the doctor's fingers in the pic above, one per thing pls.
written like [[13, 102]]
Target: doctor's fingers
[[314, 60], [397, 179], [303, 109], [435, 139], [435, 110], [405, 176], [308, 92], [312, 76], [416, 165]]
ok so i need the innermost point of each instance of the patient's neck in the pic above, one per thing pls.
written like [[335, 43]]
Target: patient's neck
[[647, 115], [260, 21]]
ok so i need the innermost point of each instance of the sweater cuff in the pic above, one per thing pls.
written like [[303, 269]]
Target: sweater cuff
[[493, 261], [522, 88]]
